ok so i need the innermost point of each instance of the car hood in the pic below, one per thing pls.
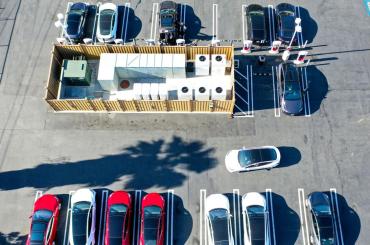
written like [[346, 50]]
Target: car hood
[[253, 198], [292, 106], [231, 161], [217, 201], [83, 195]]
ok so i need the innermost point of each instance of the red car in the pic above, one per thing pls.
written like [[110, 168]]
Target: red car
[[44, 221], [152, 220], [118, 221]]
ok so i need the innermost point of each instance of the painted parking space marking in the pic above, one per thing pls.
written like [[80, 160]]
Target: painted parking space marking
[[243, 21], [307, 93], [125, 17], [169, 224], [153, 27], [38, 195], [202, 217], [137, 211], [304, 86], [236, 209], [215, 21], [271, 16], [65, 238], [336, 216], [246, 86], [103, 207], [275, 86], [183, 7], [303, 216], [270, 208], [299, 34]]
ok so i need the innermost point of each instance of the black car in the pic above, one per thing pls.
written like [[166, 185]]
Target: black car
[[291, 93], [322, 232], [170, 27], [285, 14], [75, 21], [256, 27]]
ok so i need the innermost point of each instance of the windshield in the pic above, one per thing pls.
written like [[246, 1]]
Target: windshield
[[40, 220], [292, 91], [117, 213], [106, 21], [152, 215], [80, 213], [167, 21], [288, 23], [256, 215], [250, 157], [73, 22], [219, 222], [258, 21]]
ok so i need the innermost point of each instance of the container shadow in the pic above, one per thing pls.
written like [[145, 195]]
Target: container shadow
[[289, 156], [147, 164]]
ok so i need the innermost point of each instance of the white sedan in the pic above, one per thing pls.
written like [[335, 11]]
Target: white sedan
[[107, 23], [255, 219], [218, 220], [248, 159], [82, 221]]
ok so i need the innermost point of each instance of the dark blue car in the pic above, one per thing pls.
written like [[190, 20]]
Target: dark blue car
[[285, 14], [76, 21]]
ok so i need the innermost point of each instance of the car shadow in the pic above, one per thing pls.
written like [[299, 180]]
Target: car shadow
[[309, 26], [193, 26], [289, 156], [317, 87], [182, 222], [133, 27], [287, 222], [235, 201]]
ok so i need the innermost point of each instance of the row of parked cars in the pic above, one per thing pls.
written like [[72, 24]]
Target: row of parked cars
[[82, 222], [170, 26], [256, 219], [284, 20]]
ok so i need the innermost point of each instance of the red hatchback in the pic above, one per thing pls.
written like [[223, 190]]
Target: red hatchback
[[44, 221], [118, 219], [152, 220]]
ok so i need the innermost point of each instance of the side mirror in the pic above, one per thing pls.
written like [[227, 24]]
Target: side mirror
[[30, 216]]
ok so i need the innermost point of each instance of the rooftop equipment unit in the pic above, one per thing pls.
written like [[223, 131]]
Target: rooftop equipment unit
[[76, 73], [218, 64], [202, 91], [184, 91], [202, 65], [179, 66], [107, 76], [218, 91]]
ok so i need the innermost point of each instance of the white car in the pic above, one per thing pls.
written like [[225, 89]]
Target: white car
[[82, 221], [248, 159], [218, 220], [107, 23], [255, 219]]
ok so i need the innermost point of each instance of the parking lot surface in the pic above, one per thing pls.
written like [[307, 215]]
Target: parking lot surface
[[325, 149]]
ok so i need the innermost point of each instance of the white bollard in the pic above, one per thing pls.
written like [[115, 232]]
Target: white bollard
[[61, 40], [87, 41], [118, 41], [215, 42], [275, 47], [300, 57], [286, 55], [247, 47], [180, 42]]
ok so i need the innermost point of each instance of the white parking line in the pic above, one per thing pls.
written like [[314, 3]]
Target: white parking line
[[303, 216], [103, 207], [271, 210], [169, 233], [276, 108], [38, 195], [137, 211], [270, 9], [246, 90], [214, 21], [251, 89], [67, 218], [183, 15], [125, 17], [202, 217], [304, 95], [153, 27], [336, 215], [236, 208], [243, 20], [300, 34], [278, 87], [307, 90]]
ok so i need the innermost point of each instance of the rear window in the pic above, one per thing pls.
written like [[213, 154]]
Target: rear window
[[152, 216], [106, 21], [167, 21], [258, 22], [117, 215]]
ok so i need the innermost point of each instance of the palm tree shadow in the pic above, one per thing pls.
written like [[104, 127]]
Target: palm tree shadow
[[12, 238], [147, 164]]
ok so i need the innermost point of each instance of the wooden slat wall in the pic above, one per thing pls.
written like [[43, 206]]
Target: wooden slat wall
[[97, 105], [201, 106], [92, 52], [149, 49], [223, 50], [128, 105], [178, 105], [52, 85], [60, 105], [174, 49], [68, 51], [122, 49], [80, 105], [192, 51], [112, 105]]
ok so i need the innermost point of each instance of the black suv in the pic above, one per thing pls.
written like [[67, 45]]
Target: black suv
[[170, 27], [256, 24]]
